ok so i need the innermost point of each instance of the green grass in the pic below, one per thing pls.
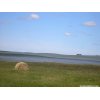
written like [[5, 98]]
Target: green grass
[[49, 75]]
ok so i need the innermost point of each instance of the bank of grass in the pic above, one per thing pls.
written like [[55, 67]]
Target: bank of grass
[[49, 75]]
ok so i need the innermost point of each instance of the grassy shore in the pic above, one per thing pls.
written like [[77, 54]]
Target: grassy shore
[[49, 75]]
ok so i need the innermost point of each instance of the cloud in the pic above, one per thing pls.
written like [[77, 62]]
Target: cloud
[[34, 16], [89, 23], [67, 34]]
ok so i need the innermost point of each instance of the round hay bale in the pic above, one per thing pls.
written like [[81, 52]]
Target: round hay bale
[[22, 66]]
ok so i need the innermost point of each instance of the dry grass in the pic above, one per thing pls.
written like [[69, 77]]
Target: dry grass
[[22, 66]]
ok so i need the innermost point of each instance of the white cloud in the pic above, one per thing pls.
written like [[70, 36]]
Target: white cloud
[[67, 34], [34, 16], [90, 23]]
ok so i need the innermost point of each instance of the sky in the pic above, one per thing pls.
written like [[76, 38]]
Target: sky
[[51, 32]]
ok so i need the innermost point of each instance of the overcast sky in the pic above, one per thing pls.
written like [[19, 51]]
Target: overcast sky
[[50, 32]]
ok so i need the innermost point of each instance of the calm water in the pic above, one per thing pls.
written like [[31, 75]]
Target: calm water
[[46, 59]]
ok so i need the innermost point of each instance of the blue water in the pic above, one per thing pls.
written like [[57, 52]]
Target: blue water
[[47, 59]]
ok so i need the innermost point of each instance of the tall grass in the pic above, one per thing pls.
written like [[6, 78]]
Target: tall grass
[[49, 75]]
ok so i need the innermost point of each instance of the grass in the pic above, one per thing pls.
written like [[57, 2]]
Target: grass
[[49, 75]]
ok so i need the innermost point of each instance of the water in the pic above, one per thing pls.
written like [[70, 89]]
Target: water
[[47, 59]]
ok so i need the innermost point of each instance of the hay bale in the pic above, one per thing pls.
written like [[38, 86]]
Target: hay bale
[[22, 66]]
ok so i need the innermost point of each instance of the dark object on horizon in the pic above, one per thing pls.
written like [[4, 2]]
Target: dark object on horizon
[[79, 54]]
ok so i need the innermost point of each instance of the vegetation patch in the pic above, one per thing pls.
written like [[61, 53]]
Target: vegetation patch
[[49, 75]]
